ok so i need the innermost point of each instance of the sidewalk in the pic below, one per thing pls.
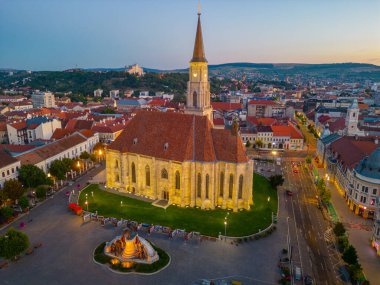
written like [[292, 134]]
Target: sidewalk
[[359, 232]]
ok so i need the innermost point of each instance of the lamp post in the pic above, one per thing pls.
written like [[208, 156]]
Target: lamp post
[[225, 228], [86, 203]]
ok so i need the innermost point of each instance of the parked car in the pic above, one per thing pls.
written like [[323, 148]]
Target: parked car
[[308, 280]]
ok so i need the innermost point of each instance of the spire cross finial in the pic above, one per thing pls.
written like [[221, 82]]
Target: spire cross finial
[[199, 7]]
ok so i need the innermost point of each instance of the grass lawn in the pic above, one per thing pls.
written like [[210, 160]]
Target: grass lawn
[[209, 222]]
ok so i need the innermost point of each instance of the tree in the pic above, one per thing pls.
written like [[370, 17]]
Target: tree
[[259, 143], [355, 271], [3, 197], [68, 163], [41, 192], [58, 169], [84, 155], [339, 229], [13, 243], [350, 256], [92, 157], [13, 189], [248, 144], [32, 176], [276, 180], [324, 193], [308, 160], [23, 202], [5, 213]]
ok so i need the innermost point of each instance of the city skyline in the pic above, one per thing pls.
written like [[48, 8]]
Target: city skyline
[[160, 35]]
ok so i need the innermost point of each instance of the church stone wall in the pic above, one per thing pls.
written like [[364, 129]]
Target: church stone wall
[[120, 175]]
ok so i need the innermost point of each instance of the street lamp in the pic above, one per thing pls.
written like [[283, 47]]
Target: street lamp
[[86, 203], [121, 203], [225, 228]]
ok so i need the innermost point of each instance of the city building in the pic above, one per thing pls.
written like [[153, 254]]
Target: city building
[[375, 241], [354, 165], [26, 131], [180, 157], [265, 108], [114, 94], [8, 167], [135, 69], [67, 147], [43, 99], [98, 92]]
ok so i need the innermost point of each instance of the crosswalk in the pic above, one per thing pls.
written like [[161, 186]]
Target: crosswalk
[[329, 235]]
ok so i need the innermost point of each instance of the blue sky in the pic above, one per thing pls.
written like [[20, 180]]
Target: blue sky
[[61, 34]]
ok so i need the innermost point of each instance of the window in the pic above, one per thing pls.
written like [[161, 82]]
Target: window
[[3, 174], [116, 164], [199, 185], [195, 99], [8, 172], [117, 178], [177, 180], [133, 172], [231, 186], [147, 176], [221, 184], [164, 173], [207, 186], [240, 193], [374, 191]]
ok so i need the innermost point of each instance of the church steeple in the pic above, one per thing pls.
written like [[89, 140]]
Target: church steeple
[[199, 53], [198, 87]]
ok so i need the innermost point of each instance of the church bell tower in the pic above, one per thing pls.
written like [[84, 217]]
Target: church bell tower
[[198, 86]]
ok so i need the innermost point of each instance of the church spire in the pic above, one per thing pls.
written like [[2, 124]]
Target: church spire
[[199, 53]]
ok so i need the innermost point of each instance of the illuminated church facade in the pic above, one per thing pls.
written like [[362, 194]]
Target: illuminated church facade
[[180, 157]]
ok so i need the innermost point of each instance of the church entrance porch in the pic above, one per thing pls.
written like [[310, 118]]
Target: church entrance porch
[[165, 195]]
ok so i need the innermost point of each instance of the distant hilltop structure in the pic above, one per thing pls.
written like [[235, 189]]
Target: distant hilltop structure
[[135, 69]]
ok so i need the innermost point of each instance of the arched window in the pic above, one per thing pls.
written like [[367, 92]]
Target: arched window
[[164, 173], [195, 99], [240, 192], [177, 180], [199, 185], [221, 184], [117, 178], [207, 186], [116, 163], [231, 186], [133, 172], [147, 176]]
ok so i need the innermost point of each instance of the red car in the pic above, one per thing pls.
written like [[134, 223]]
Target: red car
[[289, 193]]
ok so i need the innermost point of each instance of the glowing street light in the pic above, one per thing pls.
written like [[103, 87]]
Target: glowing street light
[[225, 228], [121, 203], [86, 203]]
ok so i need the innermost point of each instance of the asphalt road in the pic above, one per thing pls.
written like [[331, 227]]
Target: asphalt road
[[309, 231]]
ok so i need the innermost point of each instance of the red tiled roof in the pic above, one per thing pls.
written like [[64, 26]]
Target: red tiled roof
[[262, 102], [16, 148], [6, 159], [44, 152], [351, 151], [323, 118], [218, 122], [61, 133], [226, 106], [337, 125], [188, 137], [79, 124]]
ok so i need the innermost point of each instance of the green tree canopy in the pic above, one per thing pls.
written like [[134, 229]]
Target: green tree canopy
[[32, 176], [23, 202], [339, 229], [84, 155], [13, 189], [350, 256], [276, 180], [58, 169], [13, 243], [5, 213]]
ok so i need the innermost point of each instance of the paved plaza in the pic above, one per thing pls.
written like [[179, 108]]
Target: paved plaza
[[67, 245]]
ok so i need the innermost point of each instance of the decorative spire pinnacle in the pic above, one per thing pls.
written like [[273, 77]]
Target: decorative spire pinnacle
[[199, 53]]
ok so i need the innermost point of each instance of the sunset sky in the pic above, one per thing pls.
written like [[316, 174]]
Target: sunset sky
[[56, 35]]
